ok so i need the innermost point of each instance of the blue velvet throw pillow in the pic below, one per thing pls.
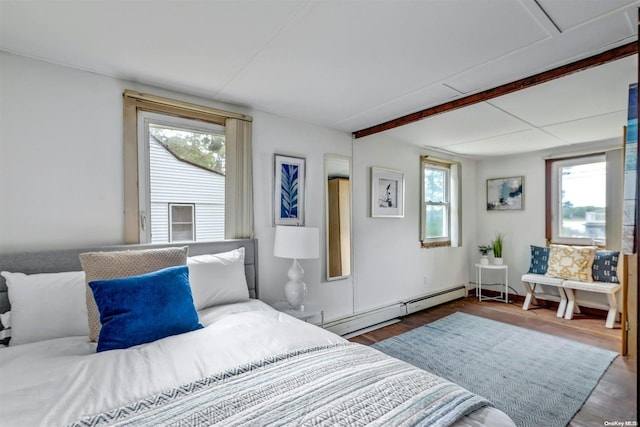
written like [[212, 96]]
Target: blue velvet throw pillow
[[605, 266], [539, 260], [140, 309]]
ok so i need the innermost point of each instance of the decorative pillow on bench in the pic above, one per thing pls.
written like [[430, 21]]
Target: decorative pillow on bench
[[539, 260], [571, 262], [603, 269], [605, 266]]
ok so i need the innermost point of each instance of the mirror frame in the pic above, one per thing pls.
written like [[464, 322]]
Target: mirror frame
[[327, 159]]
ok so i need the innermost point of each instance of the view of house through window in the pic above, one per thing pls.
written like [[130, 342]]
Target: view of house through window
[[199, 148], [184, 161]]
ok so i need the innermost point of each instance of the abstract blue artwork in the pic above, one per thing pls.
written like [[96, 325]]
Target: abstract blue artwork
[[289, 190], [505, 194]]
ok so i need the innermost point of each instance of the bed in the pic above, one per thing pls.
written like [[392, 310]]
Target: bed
[[245, 364]]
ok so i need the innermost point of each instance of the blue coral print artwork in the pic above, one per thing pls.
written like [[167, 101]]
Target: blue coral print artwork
[[289, 191]]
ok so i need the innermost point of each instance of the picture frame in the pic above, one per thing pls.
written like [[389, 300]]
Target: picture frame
[[387, 193], [505, 194], [289, 190]]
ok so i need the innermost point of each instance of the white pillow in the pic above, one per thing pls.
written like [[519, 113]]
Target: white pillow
[[218, 278], [46, 306]]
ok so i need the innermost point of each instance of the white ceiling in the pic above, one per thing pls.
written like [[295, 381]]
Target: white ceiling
[[353, 64]]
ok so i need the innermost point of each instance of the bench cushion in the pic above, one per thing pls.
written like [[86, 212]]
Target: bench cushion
[[542, 279], [600, 287]]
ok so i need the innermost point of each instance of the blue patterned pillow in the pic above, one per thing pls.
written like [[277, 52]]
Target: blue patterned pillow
[[605, 266], [539, 260], [140, 309]]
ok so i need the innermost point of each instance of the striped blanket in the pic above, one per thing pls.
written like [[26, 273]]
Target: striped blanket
[[344, 384]]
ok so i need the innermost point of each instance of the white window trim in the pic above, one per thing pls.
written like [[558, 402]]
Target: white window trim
[[193, 220], [446, 203], [556, 200], [146, 118]]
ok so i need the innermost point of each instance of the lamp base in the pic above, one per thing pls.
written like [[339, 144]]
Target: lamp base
[[294, 293], [295, 290]]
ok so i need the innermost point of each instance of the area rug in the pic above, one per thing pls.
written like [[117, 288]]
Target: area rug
[[535, 378]]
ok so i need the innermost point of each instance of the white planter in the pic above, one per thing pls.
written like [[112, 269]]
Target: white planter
[[484, 260], [497, 261]]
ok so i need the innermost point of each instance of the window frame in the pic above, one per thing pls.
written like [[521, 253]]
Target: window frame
[[193, 221], [133, 102], [553, 199], [426, 242]]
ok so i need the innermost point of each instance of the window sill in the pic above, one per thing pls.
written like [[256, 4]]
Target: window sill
[[428, 245]]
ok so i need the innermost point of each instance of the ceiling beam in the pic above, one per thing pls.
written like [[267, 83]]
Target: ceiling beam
[[546, 76]]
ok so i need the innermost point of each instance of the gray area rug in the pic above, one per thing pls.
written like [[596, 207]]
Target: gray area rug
[[535, 378]]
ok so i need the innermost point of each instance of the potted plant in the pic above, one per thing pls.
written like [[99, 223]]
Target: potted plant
[[496, 246], [484, 251]]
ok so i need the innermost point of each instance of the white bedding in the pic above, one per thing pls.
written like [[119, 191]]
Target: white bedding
[[58, 381]]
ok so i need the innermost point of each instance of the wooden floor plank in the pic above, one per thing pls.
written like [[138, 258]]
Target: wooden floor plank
[[615, 396]]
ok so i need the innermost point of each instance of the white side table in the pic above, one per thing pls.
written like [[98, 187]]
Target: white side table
[[309, 309], [504, 294]]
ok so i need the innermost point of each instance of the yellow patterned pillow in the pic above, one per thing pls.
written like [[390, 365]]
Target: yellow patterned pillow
[[571, 262]]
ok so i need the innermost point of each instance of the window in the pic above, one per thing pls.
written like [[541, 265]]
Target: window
[[178, 154], [181, 223], [184, 162], [440, 222], [580, 199]]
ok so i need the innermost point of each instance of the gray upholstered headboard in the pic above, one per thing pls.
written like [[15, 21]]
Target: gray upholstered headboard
[[55, 261]]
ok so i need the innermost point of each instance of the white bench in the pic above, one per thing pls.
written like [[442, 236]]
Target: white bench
[[531, 282], [566, 296], [610, 289]]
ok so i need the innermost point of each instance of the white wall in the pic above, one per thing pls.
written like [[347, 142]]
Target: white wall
[[60, 156], [389, 263], [520, 228]]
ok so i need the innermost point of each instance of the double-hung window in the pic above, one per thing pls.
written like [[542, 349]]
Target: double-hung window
[[440, 206]]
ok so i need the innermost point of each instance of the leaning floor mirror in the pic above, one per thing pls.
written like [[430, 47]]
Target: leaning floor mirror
[[338, 215]]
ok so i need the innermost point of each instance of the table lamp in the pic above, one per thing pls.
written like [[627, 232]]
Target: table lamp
[[296, 243]]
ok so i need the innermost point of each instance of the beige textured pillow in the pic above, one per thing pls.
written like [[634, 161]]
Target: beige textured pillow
[[112, 265], [571, 262]]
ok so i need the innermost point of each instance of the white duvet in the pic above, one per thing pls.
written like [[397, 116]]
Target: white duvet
[[56, 382]]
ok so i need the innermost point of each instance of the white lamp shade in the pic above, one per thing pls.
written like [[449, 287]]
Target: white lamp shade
[[297, 242]]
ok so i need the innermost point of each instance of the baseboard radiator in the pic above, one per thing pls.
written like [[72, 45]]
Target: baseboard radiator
[[436, 298], [367, 320]]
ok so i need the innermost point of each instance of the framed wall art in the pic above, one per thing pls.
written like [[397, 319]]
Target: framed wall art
[[505, 194], [289, 186], [387, 193]]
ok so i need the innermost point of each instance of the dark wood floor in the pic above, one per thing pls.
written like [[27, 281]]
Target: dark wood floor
[[615, 396]]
